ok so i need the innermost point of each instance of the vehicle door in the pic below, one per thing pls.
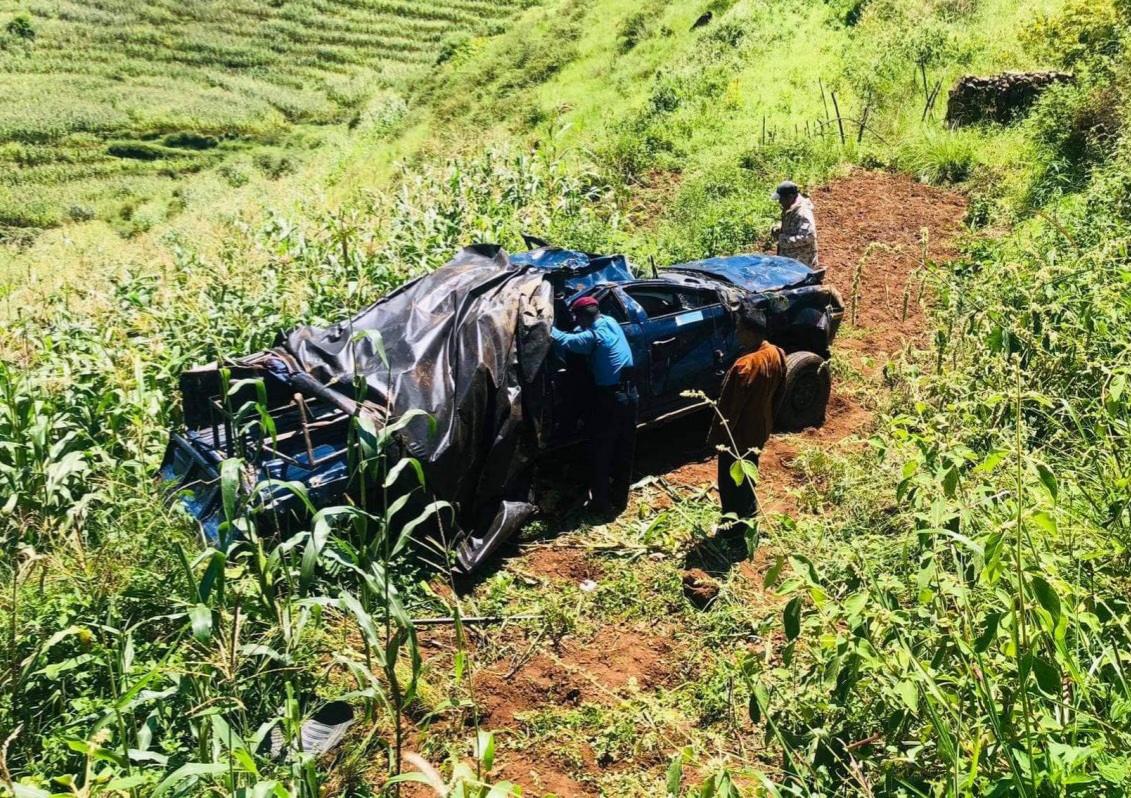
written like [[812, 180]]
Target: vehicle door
[[571, 383], [688, 339]]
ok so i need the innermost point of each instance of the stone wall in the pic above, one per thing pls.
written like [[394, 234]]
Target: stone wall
[[998, 98]]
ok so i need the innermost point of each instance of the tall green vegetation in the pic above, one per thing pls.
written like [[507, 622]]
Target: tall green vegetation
[[135, 662], [967, 635]]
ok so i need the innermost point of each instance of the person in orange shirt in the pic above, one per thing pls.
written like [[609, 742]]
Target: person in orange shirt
[[745, 411]]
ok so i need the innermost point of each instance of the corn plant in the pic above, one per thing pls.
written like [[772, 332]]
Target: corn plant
[[464, 782]]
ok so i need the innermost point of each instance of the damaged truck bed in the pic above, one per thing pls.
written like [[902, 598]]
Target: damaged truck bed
[[469, 344]]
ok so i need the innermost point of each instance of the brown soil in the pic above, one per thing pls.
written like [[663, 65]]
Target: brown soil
[[550, 562], [699, 588], [539, 775], [694, 475], [609, 667], [884, 221]]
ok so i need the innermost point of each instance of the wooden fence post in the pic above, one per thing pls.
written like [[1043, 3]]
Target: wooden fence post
[[864, 118], [931, 101], [824, 102], [839, 121]]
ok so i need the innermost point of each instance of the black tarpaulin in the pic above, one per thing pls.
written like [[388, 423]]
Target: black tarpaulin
[[460, 344]]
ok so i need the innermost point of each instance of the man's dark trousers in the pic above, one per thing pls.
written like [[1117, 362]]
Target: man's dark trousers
[[738, 499], [613, 445]]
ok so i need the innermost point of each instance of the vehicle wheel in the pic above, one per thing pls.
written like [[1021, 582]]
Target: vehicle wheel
[[806, 395]]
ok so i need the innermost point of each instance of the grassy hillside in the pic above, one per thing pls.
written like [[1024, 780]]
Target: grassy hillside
[[108, 105], [744, 99], [938, 610], [671, 114]]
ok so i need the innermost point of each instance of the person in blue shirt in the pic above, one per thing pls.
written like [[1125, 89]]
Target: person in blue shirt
[[612, 417]]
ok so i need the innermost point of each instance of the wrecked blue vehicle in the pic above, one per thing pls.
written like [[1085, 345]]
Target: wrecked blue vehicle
[[469, 344]]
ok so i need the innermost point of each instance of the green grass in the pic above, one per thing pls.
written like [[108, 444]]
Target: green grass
[[246, 73], [684, 110]]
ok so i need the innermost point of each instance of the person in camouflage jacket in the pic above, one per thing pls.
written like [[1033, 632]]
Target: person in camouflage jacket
[[797, 233]]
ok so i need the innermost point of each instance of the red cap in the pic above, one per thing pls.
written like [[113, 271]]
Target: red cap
[[584, 302]]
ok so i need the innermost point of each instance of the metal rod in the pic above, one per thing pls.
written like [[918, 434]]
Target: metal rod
[[474, 620], [305, 382], [286, 458], [305, 429], [215, 427], [230, 433], [283, 437]]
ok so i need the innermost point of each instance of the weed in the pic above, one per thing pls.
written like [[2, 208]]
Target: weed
[[453, 47], [632, 29]]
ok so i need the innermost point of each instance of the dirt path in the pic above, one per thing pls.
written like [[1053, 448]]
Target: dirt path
[[874, 229]]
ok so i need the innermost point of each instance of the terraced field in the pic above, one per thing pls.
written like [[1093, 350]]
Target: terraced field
[[104, 103]]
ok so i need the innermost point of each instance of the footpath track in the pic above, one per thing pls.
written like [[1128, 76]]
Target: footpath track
[[876, 231]]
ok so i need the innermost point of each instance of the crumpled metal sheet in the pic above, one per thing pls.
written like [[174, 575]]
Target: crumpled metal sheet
[[756, 272], [461, 343]]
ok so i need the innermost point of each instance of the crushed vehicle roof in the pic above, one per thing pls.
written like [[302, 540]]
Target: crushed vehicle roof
[[577, 271], [755, 272]]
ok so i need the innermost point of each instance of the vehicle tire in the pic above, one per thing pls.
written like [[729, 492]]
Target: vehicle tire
[[806, 395]]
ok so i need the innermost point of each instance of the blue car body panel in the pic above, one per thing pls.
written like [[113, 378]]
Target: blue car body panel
[[680, 323], [755, 272], [575, 272]]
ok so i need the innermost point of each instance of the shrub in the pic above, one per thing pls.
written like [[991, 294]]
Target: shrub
[[21, 27], [494, 28], [1077, 128], [185, 140], [80, 212], [382, 116], [137, 151], [631, 31], [21, 210], [275, 164], [851, 11], [720, 7], [535, 115], [1083, 30], [665, 98], [234, 174], [454, 47], [729, 33], [633, 152]]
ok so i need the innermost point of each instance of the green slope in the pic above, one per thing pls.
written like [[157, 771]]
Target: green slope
[[104, 104], [745, 98]]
